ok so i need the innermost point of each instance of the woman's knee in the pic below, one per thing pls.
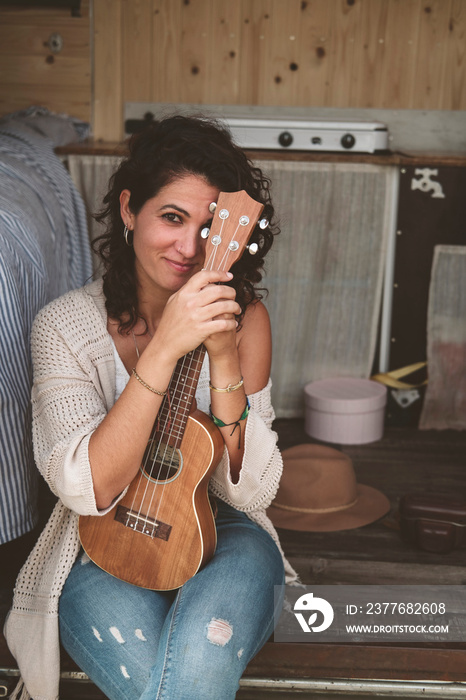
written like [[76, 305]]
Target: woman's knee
[[216, 662], [252, 550]]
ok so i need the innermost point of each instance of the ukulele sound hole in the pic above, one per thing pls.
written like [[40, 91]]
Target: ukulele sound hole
[[161, 462]]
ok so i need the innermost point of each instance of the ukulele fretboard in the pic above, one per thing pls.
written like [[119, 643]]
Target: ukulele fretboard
[[176, 406]]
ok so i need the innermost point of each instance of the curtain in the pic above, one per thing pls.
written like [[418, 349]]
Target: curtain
[[325, 272], [445, 400], [91, 175]]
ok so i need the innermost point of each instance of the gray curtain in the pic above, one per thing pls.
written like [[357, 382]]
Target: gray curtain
[[91, 175], [325, 272]]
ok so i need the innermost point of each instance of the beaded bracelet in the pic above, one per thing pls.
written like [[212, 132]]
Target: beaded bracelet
[[229, 388], [141, 381], [237, 424]]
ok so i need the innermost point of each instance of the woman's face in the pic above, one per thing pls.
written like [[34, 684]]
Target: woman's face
[[167, 233]]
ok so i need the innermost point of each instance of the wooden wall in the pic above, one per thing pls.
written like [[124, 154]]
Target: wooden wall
[[406, 54], [389, 54], [31, 74]]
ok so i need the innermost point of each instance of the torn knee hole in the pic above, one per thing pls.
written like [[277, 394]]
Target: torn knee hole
[[219, 632]]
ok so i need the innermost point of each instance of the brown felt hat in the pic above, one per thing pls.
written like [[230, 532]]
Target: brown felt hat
[[318, 492]]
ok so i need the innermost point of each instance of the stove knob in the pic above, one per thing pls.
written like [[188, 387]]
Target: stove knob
[[348, 141], [285, 139]]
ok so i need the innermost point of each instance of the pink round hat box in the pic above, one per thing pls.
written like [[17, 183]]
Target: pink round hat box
[[345, 411]]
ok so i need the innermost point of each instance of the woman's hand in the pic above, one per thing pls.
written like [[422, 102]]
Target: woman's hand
[[203, 310]]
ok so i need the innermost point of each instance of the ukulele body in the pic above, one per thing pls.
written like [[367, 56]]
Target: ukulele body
[[141, 539]]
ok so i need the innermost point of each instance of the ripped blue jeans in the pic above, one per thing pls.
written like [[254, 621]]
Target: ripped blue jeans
[[189, 644]]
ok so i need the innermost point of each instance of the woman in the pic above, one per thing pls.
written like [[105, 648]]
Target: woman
[[103, 359]]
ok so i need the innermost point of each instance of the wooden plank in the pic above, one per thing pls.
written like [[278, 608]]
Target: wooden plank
[[409, 662], [137, 42], [397, 68], [255, 35], [43, 16], [374, 543], [166, 57], [313, 54], [431, 54], [344, 21], [453, 159], [66, 100], [370, 38], [224, 42], [196, 16], [323, 570], [454, 78], [32, 40], [279, 84], [108, 93], [28, 71]]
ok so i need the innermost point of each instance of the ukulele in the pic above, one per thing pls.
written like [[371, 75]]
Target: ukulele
[[163, 530]]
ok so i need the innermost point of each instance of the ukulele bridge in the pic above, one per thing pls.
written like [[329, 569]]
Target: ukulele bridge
[[142, 523]]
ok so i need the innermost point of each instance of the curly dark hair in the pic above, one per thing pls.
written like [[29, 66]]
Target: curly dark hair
[[165, 150]]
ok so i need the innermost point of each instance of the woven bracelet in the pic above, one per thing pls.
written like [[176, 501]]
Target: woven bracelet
[[237, 423]]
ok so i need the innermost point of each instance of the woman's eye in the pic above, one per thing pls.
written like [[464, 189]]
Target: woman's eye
[[171, 216]]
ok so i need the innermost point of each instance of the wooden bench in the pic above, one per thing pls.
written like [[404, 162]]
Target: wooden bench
[[403, 461]]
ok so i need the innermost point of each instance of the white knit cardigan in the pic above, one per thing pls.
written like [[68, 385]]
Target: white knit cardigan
[[69, 402]]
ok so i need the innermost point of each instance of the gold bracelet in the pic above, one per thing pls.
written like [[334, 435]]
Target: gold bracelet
[[141, 381], [229, 388]]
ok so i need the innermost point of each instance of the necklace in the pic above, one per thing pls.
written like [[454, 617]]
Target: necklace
[[147, 332]]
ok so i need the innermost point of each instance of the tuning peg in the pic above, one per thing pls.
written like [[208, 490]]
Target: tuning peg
[[263, 223], [212, 207], [252, 248], [205, 232]]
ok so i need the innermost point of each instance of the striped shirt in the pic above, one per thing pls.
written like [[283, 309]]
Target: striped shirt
[[44, 252]]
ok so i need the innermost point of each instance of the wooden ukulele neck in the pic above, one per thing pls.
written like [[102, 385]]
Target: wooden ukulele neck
[[176, 406]]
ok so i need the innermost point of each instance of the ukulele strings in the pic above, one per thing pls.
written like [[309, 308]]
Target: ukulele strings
[[174, 428], [227, 252], [165, 409], [197, 365], [151, 456], [213, 253], [143, 467]]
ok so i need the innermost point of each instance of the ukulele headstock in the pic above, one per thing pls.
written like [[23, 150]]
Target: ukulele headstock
[[235, 217]]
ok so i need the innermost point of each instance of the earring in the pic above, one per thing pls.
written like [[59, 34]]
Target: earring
[[125, 235]]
